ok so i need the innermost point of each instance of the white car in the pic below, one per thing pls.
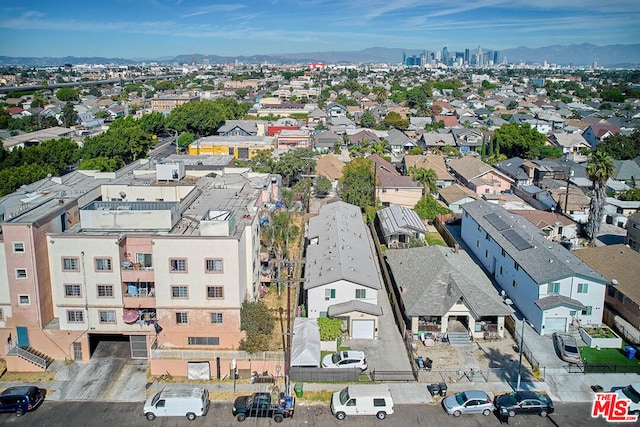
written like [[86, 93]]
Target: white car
[[345, 359]]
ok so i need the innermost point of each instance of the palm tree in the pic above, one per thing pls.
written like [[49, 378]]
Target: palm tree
[[427, 177], [599, 170]]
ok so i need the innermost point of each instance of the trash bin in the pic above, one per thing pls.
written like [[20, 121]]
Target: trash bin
[[298, 389], [434, 389], [443, 389], [629, 352]]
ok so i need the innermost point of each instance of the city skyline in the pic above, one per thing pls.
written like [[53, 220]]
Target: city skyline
[[157, 28]]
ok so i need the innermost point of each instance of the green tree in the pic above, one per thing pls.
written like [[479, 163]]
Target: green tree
[[12, 178], [632, 194], [152, 123], [367, 120], [357, 183], [622, 147], [262, 162], [294, 163], [66, 94], [185, 139], [427, 177], [428, 208], [395, 120], [69, 115], [258, 322], [330, 329], [103, 164], [205, 117], [546, 152], [38, 100], [322, 185], [599, 170], [415, 151], [124, 139], [516, 140], [94, 91]]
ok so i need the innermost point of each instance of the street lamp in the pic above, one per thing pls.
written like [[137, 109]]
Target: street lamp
[[521, 345]]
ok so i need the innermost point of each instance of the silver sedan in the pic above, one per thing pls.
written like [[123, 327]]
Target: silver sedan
[[468, 402]]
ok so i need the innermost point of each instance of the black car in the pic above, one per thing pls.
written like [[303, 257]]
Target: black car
[[21, 399], [523, 402]]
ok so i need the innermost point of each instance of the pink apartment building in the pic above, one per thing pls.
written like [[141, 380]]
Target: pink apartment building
[[164, 264]]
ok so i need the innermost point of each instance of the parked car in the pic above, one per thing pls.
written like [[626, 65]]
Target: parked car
[[362, 400], [21, 399], [345, 359], [523, 402], [632, 393], [261, 405], [190, 402], [468, 402], [567, 347]]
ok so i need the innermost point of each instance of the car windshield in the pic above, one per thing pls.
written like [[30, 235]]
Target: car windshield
[[335, 358], [155, 399], [344, 395], [514, 398], [461, 398], [631, 394]]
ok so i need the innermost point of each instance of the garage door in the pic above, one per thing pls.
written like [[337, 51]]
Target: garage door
[[554, 324], [362, 329]]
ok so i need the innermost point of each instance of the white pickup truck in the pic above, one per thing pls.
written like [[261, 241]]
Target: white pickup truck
[[632, 393]]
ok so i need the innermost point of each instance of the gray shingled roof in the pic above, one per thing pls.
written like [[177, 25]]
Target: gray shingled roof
[[354, 305], [343, 251], [552, 301], [543, 261], [397, 219], [431, 279]]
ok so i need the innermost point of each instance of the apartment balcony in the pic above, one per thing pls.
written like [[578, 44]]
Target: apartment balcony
[[139, 294], [136, 272]]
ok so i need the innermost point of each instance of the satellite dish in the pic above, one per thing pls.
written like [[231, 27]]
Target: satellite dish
[[123, 195]]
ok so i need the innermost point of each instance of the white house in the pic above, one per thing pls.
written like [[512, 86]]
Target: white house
[[550, 286], [342, 279]]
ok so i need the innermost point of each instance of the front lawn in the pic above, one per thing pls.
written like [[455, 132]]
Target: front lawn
[[606, 356]]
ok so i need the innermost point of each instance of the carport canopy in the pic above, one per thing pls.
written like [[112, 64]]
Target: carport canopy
[[305, 343]]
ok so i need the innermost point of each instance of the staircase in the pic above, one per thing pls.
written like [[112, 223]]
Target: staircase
[[459, 338], [31, 355]]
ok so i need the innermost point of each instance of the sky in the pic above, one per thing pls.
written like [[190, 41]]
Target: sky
[[154, 29]]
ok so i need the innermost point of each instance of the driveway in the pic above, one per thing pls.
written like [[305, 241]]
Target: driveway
[[111, 375]]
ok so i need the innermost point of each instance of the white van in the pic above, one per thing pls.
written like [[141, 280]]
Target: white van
[[189, 402], [362, 400]]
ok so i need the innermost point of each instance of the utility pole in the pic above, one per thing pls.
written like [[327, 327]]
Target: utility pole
[[521, 349], [566, 198], [288, 280]]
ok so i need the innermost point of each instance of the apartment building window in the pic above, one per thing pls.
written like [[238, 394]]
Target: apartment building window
[[504, 253], [1, 314], [329, 294], [103, 264], [361, 293], [553, 288], [18, 247], [214, 265], [204, 341], [516, 265], [215, 292], [179, 291], [105, 291], [479, 228], [486, 253], [178, 264], [216, 318], [72, 291], [21, 273], [620, 296], [182, 318], [587, 310], [611, 291], [145, 260], [70, 264], [477, 243], [107, 316], [514, 284], [501, 271], [75, 316], [486, 236], [24, 300], [583, 288]]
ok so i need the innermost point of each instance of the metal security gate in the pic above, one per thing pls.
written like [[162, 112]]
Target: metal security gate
[[138, 346], [77, 351]]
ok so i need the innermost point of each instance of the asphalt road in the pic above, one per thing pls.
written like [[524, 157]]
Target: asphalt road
[[97, 414]]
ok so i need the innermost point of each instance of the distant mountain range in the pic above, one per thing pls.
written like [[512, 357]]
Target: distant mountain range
[[581, 54]]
